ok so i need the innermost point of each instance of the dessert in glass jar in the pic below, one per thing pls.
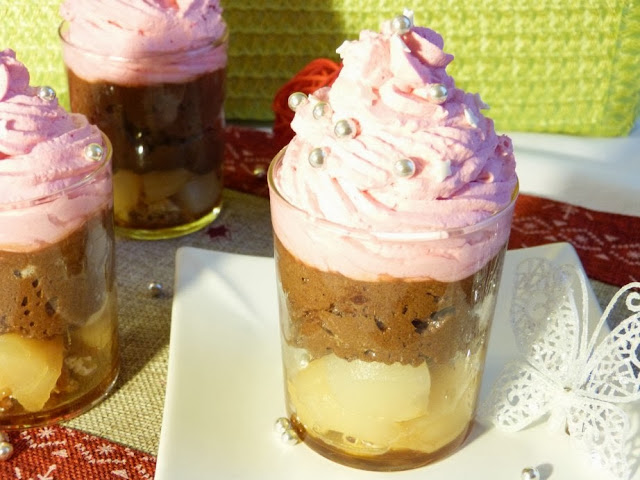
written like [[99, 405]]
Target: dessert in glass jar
[[152, 77], [58, 313], [391, 210]]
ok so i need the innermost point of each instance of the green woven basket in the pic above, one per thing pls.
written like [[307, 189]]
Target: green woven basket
[[31, 29], [547, 66]]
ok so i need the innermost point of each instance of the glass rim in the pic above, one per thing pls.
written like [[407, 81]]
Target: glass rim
[[357, 232], [208, 44], [39, 200]]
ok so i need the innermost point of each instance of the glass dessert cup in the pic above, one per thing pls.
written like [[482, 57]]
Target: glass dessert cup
[[383, 373], [168, 139], [58, 313]]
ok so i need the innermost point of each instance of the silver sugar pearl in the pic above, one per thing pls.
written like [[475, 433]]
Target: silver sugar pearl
[[404, 167], [155, 289], [94, 152], [290, 437], [282, 425], [317, 156], [438, 93], [260, 172], [6, 451], [530, 473], [321, 109], [401, 24], [346, 128], [285, 431], [296, 99], [46, 93]]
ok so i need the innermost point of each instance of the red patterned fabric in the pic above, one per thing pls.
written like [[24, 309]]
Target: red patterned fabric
[[247, 157], [608, 244], [59, 453]]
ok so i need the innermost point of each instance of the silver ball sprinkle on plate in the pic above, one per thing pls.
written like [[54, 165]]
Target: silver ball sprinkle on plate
[[94, 152], [346, 128], [46, 93], [405, 167], [260, 171], [321, 109], [317, 156], [296, 99], [6, 451], [438, 93], [290, 437], [401, 24], [530, 473], [282, 425], [285, 431], [155, 289]]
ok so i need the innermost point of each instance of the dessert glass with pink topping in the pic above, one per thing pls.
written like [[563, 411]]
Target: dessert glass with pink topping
[[58, 317], [391, 210], [151, 75]]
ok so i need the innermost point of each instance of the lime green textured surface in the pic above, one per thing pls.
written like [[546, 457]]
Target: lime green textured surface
[[567, 66], [31, 29]]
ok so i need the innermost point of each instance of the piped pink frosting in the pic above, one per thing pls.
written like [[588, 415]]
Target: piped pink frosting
[[41, 154], [464, 171], [145, 42]]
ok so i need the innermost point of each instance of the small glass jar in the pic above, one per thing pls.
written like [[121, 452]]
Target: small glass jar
[[382, 368], [167, 132], [58, 312]]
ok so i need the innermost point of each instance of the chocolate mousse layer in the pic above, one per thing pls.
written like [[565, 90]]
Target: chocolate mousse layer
[[44, 291], [386, 321], [168, 142], [157, 127]]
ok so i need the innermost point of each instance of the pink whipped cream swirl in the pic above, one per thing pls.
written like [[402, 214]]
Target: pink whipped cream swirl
[[141, 43], [415, 165], [42, 155]]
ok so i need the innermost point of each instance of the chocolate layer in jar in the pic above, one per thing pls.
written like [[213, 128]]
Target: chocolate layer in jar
[[388, 321], [58, 318], [168, 142], [43, 292], [383, 374]]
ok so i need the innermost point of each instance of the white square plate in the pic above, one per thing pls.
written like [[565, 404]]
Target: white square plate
[[225, 389]]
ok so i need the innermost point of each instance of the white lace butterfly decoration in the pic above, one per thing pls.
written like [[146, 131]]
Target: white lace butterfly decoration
[[580, 382]]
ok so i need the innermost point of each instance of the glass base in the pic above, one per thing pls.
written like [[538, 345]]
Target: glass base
[[169, 232], [392, 461], [64, 412]]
